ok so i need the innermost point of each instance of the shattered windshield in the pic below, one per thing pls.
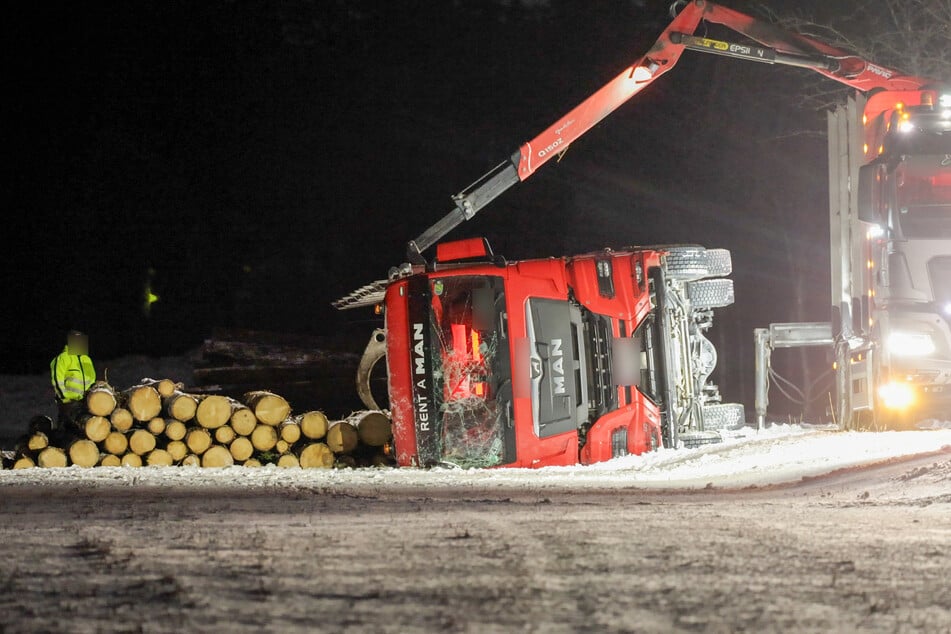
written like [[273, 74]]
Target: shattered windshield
[[471, 370], [924, 196]]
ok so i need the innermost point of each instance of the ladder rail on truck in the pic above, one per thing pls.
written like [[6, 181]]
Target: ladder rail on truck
[[680, 373]]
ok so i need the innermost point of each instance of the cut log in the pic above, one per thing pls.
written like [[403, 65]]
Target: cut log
[[96, 427], [373, 427], [110, 460], [165, 387], [24, 462], [141, 442], [144, 402], [253, 462], [159, 458], [290, 431], [180, 406], [243, 420], [121, 419], [177, 450], [316, 456], [213, 411], [101, 399], [217, 456], [38, 441], [288, 460], [131, 460], [269, 408], [84, 453], [342, 437], [116, 443], [191, 460], [313, 425], [175, 430], [281, 446], [264, 437], [52, 457], [198, 441], [224, 435], [241, 449], [156, 426]]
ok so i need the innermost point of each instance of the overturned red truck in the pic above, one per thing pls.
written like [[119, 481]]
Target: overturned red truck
[[564, 360]]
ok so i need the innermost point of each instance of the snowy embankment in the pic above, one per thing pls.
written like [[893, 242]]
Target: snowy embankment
[[777, 454]]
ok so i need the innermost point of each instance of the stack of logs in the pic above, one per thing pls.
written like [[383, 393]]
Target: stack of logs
[[157, 423]]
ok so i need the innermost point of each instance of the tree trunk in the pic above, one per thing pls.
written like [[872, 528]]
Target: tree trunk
[[177, 450], [180, 406], [141, 442], [288, 460], [313, 425], [97, 427], [224, 435], [84, 453], [342, 437], [116, 443], [24, 462], [241, 449], [264, 437], [243, 420], [121, 419], [165, 387], [253, 462], [269, 408], [38, 441], [373, 427], [290, 431], [157, 426], [52, 457], [144, 402], [101, 399], [198, 441], [281, 446], [316, 456], [110, 460], [131, 460], [175, 430], [191, 460], [159, 458], [213, 411], [217, 456]]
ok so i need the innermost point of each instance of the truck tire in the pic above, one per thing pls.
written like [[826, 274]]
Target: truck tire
[[723, 416], [686, 263], [716, 293], [719, 262]]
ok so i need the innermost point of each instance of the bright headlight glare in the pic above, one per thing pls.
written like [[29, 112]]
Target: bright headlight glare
[[910, 344], [896, 395], [945, 101]]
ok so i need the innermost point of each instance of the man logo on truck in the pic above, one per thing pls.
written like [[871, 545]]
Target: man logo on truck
[[557, 367]]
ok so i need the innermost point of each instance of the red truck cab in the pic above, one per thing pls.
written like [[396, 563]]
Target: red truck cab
[[533, 363]]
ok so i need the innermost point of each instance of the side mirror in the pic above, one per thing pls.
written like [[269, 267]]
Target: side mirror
[[872, 193]]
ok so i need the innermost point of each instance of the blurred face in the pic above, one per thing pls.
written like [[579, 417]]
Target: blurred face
[[78, 345]]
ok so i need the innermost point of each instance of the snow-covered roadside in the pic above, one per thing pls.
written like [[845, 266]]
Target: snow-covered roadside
[[777, 454]]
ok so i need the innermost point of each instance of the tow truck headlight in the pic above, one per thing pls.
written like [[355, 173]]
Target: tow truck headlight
[[896, 395], [945, 101], [910, 344]]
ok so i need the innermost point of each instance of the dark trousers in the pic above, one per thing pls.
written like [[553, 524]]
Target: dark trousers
[[67, 415]]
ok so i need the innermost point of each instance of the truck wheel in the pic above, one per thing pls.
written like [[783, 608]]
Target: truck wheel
[[710, 293], [686, 263], [719, 262], [723, 416]]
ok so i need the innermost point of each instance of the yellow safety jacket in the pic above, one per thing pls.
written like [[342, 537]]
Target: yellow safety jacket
[[72, 375]]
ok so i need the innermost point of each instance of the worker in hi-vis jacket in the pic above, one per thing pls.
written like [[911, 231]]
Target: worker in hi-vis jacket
[[72, 373]]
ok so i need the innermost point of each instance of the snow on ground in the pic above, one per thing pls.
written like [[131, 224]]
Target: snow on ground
[[777, 454]]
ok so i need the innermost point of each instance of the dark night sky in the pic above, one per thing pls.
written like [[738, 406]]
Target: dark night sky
[[263, 158]]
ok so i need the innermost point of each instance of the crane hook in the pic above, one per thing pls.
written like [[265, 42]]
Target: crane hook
[[676, 7]]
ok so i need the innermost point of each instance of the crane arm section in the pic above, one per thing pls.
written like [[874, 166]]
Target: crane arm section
[[776, 46]]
